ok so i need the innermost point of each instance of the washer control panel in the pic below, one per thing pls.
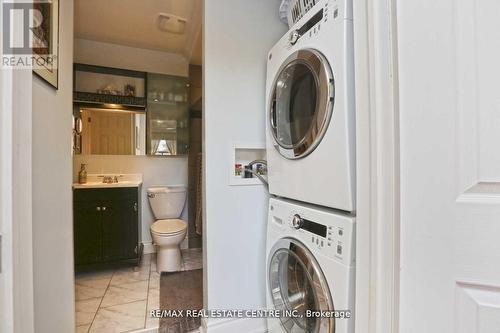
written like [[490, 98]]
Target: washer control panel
[[327, 231]]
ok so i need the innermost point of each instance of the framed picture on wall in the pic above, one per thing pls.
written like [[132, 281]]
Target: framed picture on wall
[[45, 40]]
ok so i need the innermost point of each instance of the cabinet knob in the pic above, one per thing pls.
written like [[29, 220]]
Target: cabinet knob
[[98, 209], [103, 208]]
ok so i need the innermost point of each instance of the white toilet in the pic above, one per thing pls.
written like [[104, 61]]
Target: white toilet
[[168, 232]]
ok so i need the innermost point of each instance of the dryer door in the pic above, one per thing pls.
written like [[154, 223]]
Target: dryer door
[[297, 283], [301, 103]]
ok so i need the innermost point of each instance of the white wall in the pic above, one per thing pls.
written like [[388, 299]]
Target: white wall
[[52, 204], [120, 56], [237, 37], [155, 171]]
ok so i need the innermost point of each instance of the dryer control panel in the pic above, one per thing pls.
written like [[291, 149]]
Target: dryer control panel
[[323, 13], [322, 230]]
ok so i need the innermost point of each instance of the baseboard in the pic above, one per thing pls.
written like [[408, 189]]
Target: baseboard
[[148, 248], [231, 325]]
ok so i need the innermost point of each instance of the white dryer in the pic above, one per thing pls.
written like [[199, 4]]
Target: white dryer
[[310, 109], [310, 266]]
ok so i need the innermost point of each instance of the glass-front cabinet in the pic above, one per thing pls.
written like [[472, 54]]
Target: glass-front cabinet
[[167, 115]]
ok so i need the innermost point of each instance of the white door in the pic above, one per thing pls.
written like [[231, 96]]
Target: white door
[[449, 90]]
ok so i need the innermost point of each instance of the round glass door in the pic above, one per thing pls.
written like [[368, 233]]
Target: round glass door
[[301, 103], [297, 284]]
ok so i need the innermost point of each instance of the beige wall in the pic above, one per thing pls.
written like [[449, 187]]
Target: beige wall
[[52, 204], [120, 56]]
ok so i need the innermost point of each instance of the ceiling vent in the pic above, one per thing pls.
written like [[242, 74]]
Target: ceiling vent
[[171, 23]]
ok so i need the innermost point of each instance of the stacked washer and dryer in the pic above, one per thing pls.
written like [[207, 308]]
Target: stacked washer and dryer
[[311, 170]]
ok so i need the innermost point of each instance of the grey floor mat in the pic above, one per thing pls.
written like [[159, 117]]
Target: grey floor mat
[[181, 291]]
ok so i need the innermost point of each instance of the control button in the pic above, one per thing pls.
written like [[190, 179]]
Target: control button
[[341, 232], [312, 239], [317, 241], [322, 244], [330, 228], [329, 239], [329, 244], [339, 249]]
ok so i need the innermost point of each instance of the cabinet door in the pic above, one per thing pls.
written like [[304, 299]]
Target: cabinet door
[[119, 229], [87, 232]]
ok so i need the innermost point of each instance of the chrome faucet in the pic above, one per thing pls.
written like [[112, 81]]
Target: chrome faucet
[[110, 180]]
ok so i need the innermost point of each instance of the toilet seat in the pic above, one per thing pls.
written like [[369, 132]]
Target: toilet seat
[[169, 227]]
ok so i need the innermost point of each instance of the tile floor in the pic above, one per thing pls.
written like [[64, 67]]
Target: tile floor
[[118, 301]]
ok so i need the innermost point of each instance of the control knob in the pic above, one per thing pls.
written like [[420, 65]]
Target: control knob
[[297, 221], [294, 37]]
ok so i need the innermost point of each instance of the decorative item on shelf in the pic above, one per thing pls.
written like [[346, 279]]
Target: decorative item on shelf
[[109, 90], [45, 40], [153, 95], [237, 169], [82, 175], [129, 90]]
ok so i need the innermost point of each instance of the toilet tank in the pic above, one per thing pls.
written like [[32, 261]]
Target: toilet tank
[[167, 202]]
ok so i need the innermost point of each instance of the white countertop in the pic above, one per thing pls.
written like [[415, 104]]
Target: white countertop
[[124, 180]]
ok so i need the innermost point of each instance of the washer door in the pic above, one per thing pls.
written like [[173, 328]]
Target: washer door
[[296, 283], [301, 103]]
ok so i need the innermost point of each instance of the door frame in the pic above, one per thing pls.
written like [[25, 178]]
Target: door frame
[[16, 201], [16, 276], [378, 172]]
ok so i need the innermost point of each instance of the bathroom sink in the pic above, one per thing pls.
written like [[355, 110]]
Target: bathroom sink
[[124, 180]]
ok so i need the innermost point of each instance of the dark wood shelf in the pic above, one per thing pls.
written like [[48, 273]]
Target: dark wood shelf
[[95, 98]]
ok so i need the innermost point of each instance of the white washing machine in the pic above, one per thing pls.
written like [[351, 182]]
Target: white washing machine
[[310, 266], [310, 109]]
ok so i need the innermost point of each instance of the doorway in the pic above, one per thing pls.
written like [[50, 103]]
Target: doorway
[[137, 115]]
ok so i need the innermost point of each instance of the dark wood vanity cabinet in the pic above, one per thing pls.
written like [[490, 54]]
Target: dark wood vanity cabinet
[[106, 226]]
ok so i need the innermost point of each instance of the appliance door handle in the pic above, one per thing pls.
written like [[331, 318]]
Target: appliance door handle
[[272, 114]]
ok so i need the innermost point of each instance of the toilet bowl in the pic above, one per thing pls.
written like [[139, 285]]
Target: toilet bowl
[[168, 231], [168, 235]]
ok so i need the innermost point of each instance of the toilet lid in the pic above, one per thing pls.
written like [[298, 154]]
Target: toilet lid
[[170, 226]]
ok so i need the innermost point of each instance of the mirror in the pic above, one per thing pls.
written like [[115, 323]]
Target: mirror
[[109, 132]]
